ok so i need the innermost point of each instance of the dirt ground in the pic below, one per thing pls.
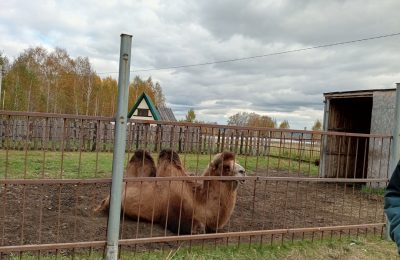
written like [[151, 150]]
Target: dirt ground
[[41, 214]]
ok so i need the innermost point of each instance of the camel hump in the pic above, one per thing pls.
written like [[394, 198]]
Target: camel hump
[[170, 156], [141, 155], [142, 165]]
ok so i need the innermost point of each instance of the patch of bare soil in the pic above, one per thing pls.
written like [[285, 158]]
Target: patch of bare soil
[[40, 214]]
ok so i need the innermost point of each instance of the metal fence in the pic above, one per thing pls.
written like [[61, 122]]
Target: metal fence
[[55, 169]]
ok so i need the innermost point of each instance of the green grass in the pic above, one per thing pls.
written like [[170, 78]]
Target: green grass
[[374, 191], [349, 248], [370, 247], [37, 164]]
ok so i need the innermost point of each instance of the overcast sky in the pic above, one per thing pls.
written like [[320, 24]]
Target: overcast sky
[[170, 33]]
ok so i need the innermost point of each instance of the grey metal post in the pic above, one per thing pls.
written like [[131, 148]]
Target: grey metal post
[[1, 80], [119, 147], [324, 140], [395, 154]]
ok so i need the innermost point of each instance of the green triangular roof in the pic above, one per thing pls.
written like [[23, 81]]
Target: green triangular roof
[[150, 104]]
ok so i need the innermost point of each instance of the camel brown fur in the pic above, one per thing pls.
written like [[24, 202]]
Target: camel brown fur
[[141, 164], [169, 164], [185, 207], [217, 198]]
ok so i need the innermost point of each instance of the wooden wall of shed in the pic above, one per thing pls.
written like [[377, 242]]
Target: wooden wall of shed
[[346, 157]]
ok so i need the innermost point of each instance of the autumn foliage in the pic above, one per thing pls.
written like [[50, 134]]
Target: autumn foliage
[[42, 81], [251, 119]]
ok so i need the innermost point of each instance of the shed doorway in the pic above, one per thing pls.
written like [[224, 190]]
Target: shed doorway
[[347, 156]]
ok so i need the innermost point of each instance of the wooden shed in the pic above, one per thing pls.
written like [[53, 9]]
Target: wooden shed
[[144, 108], [364, 112]]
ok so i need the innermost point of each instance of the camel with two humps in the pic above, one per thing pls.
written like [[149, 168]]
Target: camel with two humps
[[184, 207]]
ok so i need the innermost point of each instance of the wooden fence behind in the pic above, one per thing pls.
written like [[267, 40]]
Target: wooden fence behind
[[97, 134]]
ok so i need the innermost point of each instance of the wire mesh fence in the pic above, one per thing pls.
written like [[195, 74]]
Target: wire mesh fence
[[55, 171]]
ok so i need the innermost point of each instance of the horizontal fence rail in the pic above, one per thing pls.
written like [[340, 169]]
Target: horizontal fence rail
[[55, 179], [261, 233]]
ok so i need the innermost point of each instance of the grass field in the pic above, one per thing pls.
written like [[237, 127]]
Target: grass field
[[37, 164], [349, 248], [370, 247]]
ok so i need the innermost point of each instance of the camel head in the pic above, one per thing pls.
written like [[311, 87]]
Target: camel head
[[239, 171], [224, 164]]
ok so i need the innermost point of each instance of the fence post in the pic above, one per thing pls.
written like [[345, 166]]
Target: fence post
[[324, 140], [395, 154], [1, 80], [119, 147]]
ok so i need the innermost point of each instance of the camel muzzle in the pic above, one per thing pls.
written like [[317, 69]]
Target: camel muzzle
[[240, 172]]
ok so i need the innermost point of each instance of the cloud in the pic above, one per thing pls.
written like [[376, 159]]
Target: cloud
[[288, 86]]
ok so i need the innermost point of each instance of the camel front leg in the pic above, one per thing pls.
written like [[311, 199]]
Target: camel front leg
[[198, 228], [103, 205]]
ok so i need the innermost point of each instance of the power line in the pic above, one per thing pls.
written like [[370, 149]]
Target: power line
[[258, 56], [262, 55]]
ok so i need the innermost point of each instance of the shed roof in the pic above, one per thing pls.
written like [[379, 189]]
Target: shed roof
[[355, 93], [166, 114], [150, 104], [160, 114]]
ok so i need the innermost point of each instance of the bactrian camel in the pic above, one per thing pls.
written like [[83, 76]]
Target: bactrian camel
[[185, 207]]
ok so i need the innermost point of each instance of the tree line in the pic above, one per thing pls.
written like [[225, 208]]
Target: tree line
[[250, 120], [256, 120], [53, 82]]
